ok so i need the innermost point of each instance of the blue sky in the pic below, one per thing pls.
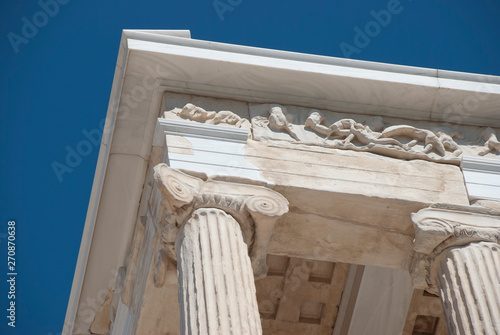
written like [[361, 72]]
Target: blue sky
[[56, 80]]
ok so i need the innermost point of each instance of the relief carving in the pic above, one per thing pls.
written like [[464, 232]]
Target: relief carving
[[374, 135], [277, 120], [431, 141], [273, 122], [399, 141], [491, 141], [449, 143], [195, 113]]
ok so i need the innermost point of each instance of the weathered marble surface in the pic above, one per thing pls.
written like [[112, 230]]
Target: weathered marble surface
[[468, 279], [366, 196], [435, 142], [424, 314], [300, 296], [191, 112], [373, 192], [255, 74], [256, 208], [458, 258], [216, 282]]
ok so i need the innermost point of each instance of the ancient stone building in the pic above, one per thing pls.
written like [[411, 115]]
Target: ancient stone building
[[244, 191]]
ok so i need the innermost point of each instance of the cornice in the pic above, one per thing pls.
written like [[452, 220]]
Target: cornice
[[264, 75], [172, 37]]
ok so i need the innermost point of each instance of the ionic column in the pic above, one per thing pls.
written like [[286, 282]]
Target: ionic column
[[216, 283], [221, 232], [468, 280], [459, 259]]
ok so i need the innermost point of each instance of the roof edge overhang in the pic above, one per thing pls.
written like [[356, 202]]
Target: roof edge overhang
[[329, 83], [172, 37]]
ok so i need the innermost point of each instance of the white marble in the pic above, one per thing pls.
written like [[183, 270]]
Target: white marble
[[114, 224], [259, 74], [380, 302], [123, 320], [468, 282], [160, 61], [198, 130], [482, 178], [210, 149], [459, 259], [216, 283]]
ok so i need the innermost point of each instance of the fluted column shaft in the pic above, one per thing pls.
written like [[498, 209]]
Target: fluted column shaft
[[468, 279], [216, 282]]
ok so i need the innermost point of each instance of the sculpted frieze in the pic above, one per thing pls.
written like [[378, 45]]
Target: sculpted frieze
[[491, 143], [403, 139], [191, 112]]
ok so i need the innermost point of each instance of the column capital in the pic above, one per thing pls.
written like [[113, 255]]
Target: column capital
[[254, 207], [443, 226]]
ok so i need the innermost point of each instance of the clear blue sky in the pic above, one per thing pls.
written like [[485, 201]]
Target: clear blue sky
[[58, 83]]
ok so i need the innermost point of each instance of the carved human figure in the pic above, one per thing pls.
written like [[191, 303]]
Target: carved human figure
[[196, 113], [342, 128], [491, 144], [366, 136], [349, 129], [449, 143], [227, 117], [316, 122], [431, 141], [278, 120]]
